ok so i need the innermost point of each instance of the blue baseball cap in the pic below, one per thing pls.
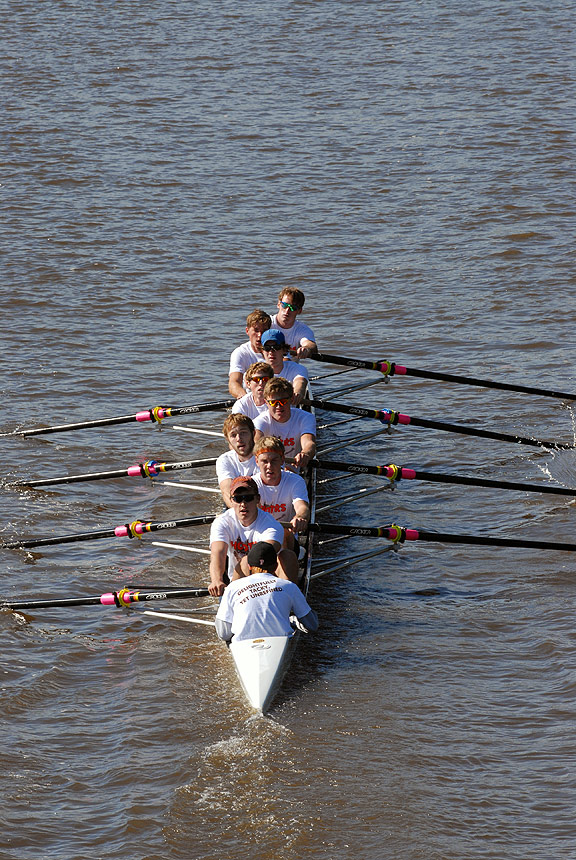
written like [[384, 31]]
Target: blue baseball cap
[[273, 334]]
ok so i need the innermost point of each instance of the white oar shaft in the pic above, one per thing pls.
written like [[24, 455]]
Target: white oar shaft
[[180, 546], [196, 430], [173, 617], [189, 486], [365, 491]]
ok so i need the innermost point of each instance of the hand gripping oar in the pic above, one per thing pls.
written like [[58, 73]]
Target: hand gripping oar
[[397, 473], [388, 416], [399, 535], [149, 469], [121, 598], [390, 368], [156, 415], [130, 530]]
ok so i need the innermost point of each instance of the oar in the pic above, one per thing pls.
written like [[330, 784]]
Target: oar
[[390, 368], [388, 416], [397, 534], [396, 473], [149, 469], [120, 598], [130, 530], [156, 415]]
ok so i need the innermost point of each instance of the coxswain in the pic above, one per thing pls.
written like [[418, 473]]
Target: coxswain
[[253, 403], [234, 533], [299, 337], [247, 353], [260, 604], [239, 460], [296, 427], [282, 493]]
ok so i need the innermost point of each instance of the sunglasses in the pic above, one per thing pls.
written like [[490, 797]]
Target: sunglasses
[[287, 306], [282, 402], [271, 346], [259, 379], [245, 497]]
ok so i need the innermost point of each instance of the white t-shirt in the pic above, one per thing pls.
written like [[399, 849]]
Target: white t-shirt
[[229, 465], [295, 335], [299, 422], [261, 605], [247, 406], [291, 370], [278, 500], [242, 357], [240, 539]]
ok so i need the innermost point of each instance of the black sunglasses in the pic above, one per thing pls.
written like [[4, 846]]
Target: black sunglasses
[[245, 497]]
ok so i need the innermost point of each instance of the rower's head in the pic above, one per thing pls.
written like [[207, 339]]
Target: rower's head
[[256, 324], [290, 304], [262, 558], [257, 376], [239, 431], [270, 456], [273, 346], [278, 394], [245, 496]]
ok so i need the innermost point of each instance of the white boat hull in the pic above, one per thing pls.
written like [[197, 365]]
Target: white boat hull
[[261, 665]]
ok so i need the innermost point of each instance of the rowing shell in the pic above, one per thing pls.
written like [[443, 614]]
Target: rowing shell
[[261, 664]]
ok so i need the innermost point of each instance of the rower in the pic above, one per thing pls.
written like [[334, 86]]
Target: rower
[[234, 532], [299, 337], [282, 493], [256, 377], [296, 427], [260, 605], [239, 460], [274, 348], [247, 353]]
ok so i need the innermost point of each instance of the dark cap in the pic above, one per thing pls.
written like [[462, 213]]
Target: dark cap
[[273, 334], [244, 482], [262, 555]]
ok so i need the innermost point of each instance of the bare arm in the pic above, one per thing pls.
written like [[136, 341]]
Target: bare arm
[[301, 518], [305, 348], [307, 452], [218, 554], [225, 490], [236, 384], [300, 385]]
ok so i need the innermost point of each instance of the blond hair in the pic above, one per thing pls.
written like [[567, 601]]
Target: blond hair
[[258, 317], [278, 387], [270, 443], [237, 419], [258, 368], [296, 297]]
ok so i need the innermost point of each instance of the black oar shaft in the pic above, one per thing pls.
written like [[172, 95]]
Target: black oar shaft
[[121, 598], [399, 535], [156, 415], [391, 368], [397, 473], [391, 417], [143, 470], [484, 383], [135, 529]]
